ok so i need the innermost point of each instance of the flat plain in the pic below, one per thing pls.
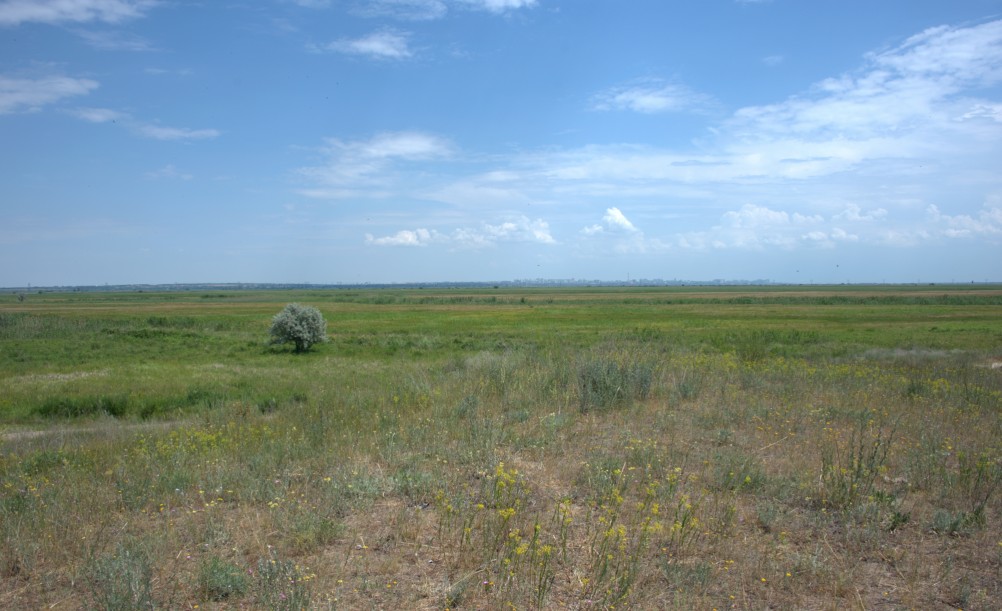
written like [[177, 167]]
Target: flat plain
[[810, 447]]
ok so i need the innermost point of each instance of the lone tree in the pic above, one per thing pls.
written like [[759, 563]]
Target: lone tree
[[302, 325]]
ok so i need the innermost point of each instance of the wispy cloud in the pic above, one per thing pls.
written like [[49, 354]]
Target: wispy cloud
[[142, 128], [359, 164], [651, 96], [310, 3], [27, 94], [863, 157], [407, 10], [386, 44], [169, 172], [16, 12], [115, 41], [421, 10], [499, 6], [40, 229]]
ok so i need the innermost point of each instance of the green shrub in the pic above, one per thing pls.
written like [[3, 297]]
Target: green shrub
[[299, 324], [604, 383], [219, 579], [122, 580]]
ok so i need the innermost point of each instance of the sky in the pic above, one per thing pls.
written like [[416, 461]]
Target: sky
[[385, 141]]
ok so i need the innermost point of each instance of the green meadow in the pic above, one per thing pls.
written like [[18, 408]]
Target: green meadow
[[802, 447]]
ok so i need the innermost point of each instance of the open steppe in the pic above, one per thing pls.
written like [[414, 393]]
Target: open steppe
[[577, 448]]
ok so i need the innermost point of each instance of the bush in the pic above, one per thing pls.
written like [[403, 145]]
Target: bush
[[299, 324], [219, 579]]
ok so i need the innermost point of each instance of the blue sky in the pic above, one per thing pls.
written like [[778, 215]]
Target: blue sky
[[160, 141]]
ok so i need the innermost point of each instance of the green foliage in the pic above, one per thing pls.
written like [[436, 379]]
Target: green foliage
[[604, 383], [850, 467], [220, 580], [122, 580], [301, 325], [282, 585]]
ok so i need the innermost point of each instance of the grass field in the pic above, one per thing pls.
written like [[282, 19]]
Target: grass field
[[586, 448]]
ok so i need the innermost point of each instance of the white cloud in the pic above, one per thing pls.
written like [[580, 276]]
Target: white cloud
[[517, 229], [387, 44], [901, 92], [311, 3], [16, 12], [499, 6], [405, 237], [115, 41], [98, 115], [950, 55], [756, 227], [987, 222], [520, 229], [147, 130], [169, 172], [984, 110], [615, 219], [410, 10], [26, 95], [754, 217], [365, 163], [651, 96], [854, 159], [618, 234], [855, 213], [159, 132]]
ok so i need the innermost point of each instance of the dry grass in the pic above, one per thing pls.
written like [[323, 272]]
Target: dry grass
[[483, 481]]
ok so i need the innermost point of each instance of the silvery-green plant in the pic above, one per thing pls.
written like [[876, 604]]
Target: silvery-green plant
[[299, 324]]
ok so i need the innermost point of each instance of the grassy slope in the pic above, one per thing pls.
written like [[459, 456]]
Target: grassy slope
[[574, 448]]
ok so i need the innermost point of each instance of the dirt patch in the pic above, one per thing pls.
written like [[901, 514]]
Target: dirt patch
[[58, 377], [109, 428]]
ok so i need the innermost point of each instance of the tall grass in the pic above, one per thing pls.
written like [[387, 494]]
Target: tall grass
[[565, 462]]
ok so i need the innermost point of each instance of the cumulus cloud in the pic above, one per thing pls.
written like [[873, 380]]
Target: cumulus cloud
[[145, 129], [16, 12], [987, 222], [651, 96], [27, 95], [757, 227], [404, 237], [517, 229], [855, 213], [613, 221], [387, 44]]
